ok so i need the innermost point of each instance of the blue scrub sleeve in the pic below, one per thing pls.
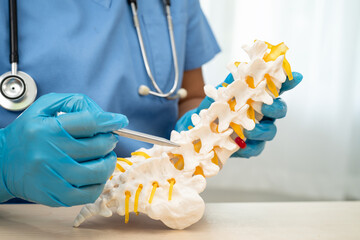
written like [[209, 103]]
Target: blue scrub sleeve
[[201, 45]]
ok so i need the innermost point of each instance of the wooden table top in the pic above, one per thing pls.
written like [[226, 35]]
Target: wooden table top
[[288, 221]]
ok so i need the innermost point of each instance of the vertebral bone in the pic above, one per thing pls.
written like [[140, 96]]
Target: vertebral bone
[[165, 182]]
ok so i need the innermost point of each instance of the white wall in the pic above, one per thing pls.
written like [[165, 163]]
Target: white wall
[[316, 153]]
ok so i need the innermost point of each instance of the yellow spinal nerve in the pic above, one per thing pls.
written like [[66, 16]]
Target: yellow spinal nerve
[[136, 202], [172, 182], [155, 186], [127, 198]]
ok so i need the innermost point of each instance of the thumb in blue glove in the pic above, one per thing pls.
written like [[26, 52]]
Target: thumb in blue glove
[[58, 160], [264, 131]]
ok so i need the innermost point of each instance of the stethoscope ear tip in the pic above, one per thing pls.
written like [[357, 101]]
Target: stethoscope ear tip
[[182, 93], [144, 90]]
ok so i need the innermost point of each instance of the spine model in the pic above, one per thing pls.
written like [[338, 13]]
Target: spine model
[[165, 182]]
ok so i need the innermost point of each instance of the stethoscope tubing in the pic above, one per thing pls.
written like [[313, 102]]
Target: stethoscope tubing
[[14, 55], [17, 89], [159, 92]]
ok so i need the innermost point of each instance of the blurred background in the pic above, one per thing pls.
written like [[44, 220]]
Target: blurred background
[[316, 153]]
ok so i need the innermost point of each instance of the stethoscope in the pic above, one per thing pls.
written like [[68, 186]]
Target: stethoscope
[[18, 90], [145, 90]]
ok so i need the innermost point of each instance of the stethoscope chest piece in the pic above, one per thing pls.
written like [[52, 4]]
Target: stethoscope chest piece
[[17, 91]]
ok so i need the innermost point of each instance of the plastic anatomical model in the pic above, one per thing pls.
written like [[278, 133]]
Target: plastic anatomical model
[[164, 182]]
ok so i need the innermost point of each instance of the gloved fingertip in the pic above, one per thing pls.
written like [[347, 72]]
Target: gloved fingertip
[[85, 194], [92, 192], [253, 148], [290, 84], [125, 121], [120, 119], [242, 154], [106, 168], [229, 79], [236, 155], [98, 191], [113, 156], [276, 110], [117, 137], [263, 131], [297, 76], [109, 122], [111, 159]]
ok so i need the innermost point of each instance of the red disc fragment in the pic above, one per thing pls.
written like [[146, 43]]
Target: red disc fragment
[[241, 143]]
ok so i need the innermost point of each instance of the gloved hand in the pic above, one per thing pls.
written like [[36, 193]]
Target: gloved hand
[[60, 160], [264, 131]]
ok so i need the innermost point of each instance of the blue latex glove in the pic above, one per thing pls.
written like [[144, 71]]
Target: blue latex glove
[[58, 160], [264, 131]]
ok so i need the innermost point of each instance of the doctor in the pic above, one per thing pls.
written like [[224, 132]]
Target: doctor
[[86, 60]]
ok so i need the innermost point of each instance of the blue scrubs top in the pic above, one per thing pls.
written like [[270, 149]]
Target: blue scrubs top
[[91, 47]]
